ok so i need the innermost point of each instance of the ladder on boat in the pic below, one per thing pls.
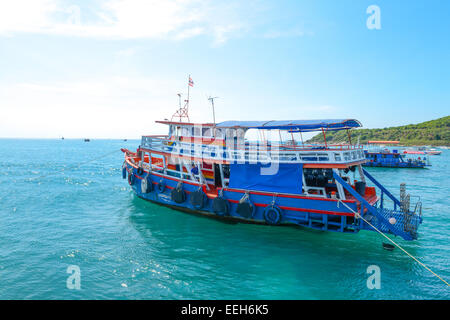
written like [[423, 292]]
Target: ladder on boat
[[402, 222]]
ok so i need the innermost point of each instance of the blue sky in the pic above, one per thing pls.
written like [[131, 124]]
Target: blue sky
[[109, 69]]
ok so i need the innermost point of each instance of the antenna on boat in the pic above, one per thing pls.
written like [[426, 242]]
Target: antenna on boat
[[212, 104], [179, 100], [183, 112]]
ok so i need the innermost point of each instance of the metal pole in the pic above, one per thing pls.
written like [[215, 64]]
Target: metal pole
[[212, 104], [301, 137], [189, 78], [214, 113], [324, 138]]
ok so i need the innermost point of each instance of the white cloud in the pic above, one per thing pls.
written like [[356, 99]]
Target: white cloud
[[26, 16], [114, 107], [126, 52], [123, 19], [288, 33]]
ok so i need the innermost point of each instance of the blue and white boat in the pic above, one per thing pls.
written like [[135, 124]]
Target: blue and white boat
[[212, 170], [387, 158]]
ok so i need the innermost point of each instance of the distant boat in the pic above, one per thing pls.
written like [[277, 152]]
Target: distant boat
[[87, 140], [424, 150], [383, 157], [125, 140], [433, 152], [62, 138]]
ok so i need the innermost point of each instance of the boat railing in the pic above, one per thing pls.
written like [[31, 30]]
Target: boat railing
[[253, 152], [403, 223]]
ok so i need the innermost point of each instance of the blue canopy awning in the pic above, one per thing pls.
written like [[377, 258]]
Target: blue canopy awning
[[297, 125]]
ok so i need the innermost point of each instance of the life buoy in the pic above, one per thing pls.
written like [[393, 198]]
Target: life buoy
[[161, 186], [272, 214], [221, 206], [198, 199]]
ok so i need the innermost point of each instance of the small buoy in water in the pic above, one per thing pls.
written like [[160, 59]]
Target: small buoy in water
[[392, 220], [124, 285], [388, 246]]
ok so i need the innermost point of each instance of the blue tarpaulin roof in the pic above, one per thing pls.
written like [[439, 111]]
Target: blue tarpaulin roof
[[300, 125], [286, 178]]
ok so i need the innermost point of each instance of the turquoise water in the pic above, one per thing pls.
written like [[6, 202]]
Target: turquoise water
[[63, 202]]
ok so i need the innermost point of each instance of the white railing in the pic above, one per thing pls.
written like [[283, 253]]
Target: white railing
[[256, 153]]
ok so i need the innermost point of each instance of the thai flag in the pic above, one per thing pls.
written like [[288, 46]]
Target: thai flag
[[191, 83]]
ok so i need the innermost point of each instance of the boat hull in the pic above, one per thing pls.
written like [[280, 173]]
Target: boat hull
[[320, 214], [396, 165]]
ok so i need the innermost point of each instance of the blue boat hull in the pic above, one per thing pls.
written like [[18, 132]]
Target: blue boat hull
[[320, 214], [395, 165]]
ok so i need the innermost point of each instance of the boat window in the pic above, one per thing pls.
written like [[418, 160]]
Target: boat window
[[218, 133], [197, 131], [226, 171], [206, 132], [185, 131]]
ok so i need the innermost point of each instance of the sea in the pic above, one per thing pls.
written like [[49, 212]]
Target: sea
[[71, 228]]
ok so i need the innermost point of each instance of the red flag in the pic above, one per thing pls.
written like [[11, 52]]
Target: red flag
[[191, 83]]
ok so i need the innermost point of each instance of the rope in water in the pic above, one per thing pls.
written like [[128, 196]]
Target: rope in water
[[396, 244], [73, 167]]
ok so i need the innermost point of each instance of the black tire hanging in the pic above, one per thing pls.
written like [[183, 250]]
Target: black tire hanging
[[198, 199], [273, 214], [161, 186], [130, 178], [221, 206], [178, 195], [245, 209]]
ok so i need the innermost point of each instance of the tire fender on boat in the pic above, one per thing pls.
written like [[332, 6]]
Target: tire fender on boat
[[146, 185], [198, 199], [161, 186], [245, 208], [140, 171], [124, 170], [273, 214], [221, 206], [178, 195], [130, 178]]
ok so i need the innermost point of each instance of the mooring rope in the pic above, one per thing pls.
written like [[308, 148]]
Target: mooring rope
[[396, 244]]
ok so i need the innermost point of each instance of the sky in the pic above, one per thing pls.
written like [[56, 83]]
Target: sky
[[110, 68]]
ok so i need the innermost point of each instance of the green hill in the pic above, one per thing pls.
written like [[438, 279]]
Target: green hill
[[434, 132]]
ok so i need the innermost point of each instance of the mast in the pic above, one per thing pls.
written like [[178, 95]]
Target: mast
[[187, 101], [183, 112], [212, 103], [324, 138]]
